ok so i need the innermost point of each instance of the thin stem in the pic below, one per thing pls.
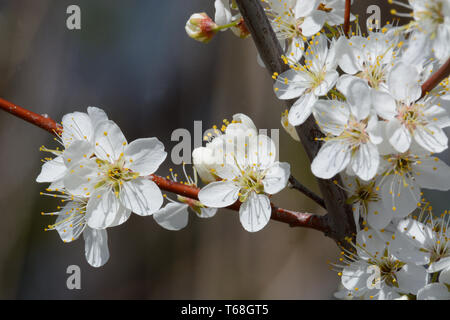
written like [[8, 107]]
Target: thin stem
[[294, 219], [436, 78], [295, 184], [41, 121], [348, 5]]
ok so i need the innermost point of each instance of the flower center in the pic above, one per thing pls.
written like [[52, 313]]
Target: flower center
[[364, 194], [115, 174], [250, 180], [411, 116]]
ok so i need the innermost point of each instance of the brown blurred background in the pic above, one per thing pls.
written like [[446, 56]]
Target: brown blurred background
[[133, 59]]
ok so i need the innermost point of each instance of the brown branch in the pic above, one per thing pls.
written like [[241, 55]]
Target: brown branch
[[348, 5], [34, 118], [340, 216], [294, 219], [297, 185], [436, 78]]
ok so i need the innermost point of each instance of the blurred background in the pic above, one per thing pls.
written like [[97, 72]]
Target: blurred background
[[133, 59]]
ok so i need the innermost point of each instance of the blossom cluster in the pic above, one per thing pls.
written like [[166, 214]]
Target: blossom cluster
[[100, 179], [381, 132]]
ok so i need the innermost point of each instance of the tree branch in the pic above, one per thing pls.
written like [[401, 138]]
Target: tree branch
[[340, 216], [436, 78], [294, 219], [348, 6], [295, 184]]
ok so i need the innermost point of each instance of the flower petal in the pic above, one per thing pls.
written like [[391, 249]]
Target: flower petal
[[333, 157], [365, 161], [403, 83], [431, 138], [399, 135], [301, 109], [142, 196], [174, 216], [96, 247], [276, 177], [52, 170], [255, 212], [109, 141], [104, 210], [144, 155], [219, 194]]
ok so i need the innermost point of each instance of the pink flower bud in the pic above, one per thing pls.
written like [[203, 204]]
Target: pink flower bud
[[201, 27]]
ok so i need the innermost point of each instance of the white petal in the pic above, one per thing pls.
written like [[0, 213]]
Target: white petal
[[313, 23], [432, 173], [97, 115], [144, 155], [333, 157], [378, 216], [431, 138], [384, 104], [70, 222], [96, 247], [399, 135], [405, 250], [255, 212], [443, 263], [219, 194], [276, 177], [105, 210], [355, 276], [82, 177], [434, 291], [174, 216], [52, 170], [76, 126], [347, 55], [291, 84], [142, 196], [331, 115], [411, 278], [261, 151], [301, 109], [223, 12], [403, 83], [365, 161], [304, 8], [358, 98], [77, 151], [400, 194], [444, 277], [109, 141]]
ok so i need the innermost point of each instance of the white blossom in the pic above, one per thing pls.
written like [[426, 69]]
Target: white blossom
[[310, 81]]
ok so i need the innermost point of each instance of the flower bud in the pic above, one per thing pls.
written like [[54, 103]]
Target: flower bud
[[240, 29], [201, 27]]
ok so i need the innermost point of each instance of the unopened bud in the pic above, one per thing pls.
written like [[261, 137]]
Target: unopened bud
[[241, 30], [201, 27]]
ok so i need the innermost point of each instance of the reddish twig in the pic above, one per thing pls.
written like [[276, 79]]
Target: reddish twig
[[436, 78], [348, 5], [294, 219], [39, 120]]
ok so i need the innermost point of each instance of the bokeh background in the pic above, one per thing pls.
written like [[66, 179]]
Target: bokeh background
[[133, 59]]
